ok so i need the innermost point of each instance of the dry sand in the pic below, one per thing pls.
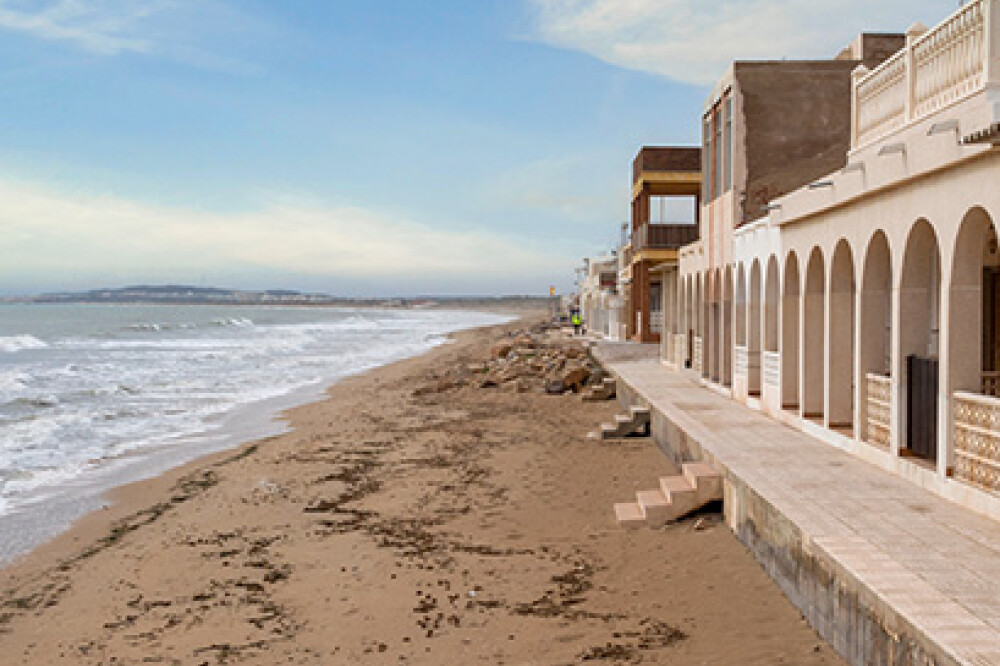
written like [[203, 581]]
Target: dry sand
[[458, 526]]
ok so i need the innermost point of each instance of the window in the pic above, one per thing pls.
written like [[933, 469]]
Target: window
[[728, 161], [717, 169], [706, 158]]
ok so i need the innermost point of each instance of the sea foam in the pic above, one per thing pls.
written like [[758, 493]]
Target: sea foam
[[16, 343]]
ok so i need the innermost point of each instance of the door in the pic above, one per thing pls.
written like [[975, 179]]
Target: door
[[922, 404]]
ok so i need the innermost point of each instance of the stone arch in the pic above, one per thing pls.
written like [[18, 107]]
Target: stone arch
[[741, 306], [813, 306], [688, 327], [973, 342], [920, 320], [772, 296], [754, 329], [717, 317], [727, 326], [790, 334], [875, 341], [840, 357]]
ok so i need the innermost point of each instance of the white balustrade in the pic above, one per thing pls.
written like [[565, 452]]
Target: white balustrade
[[942, 66], [696, 362], [879, 400], [772, 370], [949, 61], [656, 321], [741, 361], [977, 440], [881, 100]]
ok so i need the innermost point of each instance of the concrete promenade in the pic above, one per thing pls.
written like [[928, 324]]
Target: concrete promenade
[[887, 572]]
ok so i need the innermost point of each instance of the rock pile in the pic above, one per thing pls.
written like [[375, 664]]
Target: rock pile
[[529, 360]]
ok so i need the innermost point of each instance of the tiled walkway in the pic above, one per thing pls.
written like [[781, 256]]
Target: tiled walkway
[[932, 561]]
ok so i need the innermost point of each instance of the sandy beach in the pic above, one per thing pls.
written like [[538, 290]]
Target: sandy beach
[[411, 518]]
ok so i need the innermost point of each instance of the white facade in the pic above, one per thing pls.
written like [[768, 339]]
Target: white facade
[[866, 308], [598, 302]]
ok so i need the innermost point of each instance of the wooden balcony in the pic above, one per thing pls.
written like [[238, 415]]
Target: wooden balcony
[[664, 236]]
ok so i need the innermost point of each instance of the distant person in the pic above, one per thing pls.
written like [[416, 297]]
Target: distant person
[[577, 323]]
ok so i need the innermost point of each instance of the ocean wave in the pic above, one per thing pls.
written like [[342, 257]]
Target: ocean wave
[[16, 343], [237, 322]]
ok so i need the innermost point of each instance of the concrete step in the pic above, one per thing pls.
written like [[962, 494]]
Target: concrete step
[[629, 515], [656, 507], [677, 496], [682, 495], [705, 480], [635, 422]]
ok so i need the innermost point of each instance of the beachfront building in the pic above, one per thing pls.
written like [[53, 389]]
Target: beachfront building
[[861, 305], [768, 128], [666, 186], [598, 291]]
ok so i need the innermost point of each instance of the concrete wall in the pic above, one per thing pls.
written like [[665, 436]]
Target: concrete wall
[[797, 117], [846, 613], [872, 49]]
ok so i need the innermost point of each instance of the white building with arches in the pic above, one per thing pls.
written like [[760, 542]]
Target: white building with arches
[[864, 306]]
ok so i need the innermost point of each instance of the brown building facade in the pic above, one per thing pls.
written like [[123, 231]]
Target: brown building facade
[[659, 174]]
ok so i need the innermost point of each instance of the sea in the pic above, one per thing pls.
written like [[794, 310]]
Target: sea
[[96, 396]]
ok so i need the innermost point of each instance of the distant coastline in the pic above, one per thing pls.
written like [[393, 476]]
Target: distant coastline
[[191, 295]]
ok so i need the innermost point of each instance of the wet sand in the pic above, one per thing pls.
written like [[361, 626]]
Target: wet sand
[[403, 520]]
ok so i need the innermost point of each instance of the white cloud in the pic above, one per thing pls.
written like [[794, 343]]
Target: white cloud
[[694, 41], [46, 232], [202, 33], [106, 27]]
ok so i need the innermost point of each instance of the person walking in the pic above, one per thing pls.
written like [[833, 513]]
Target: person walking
[[577, 323]]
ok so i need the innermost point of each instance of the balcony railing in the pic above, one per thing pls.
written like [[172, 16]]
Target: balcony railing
[[955, 59], [656, 321], [741, 361], [879, 398], [977, 440], [772, 370], [664, 236]]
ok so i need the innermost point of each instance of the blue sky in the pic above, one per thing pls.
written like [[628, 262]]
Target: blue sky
[[380, 147]]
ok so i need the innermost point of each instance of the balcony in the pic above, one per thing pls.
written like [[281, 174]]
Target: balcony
[[664, 236], [936, 68], [666, 159]]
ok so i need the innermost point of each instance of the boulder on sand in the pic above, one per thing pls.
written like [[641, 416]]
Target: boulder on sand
[[575, 377], [501, 350]]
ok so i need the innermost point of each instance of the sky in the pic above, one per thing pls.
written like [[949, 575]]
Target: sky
[[358, 147]]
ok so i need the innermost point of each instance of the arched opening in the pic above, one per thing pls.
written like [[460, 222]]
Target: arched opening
[[772, 294], [727, 328], [920, 317], [875, 343], [753, 330], [688, 328], [707, 326], [812, 339], [697, 359], [790, 336], [840, 360], [975, 355], [716, 332], [741, 307], [974, 337]]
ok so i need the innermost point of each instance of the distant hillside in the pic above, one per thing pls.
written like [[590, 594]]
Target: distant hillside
[[187, 294]]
